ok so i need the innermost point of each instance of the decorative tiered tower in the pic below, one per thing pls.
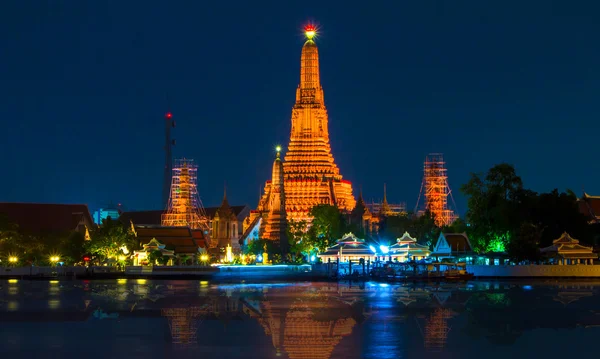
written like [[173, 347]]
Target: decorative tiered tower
[[275, 224], [225, 226], [310, 175], [185, 208], [436, 190]]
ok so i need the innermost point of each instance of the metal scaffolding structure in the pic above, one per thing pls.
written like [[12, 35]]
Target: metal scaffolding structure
[[185, 208], [436, 329], [183, 323], [436, 190]]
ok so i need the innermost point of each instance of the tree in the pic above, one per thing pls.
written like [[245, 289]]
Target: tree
[[556, 212], [525, 245], [108, 241], [326, 226], [299, 238], [155, 257], [425, 230], [494, 206]]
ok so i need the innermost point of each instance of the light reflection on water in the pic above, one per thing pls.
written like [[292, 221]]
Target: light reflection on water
[[125, 318]]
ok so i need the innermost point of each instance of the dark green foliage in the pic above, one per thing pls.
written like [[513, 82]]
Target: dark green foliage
[[422, 228], [108, 240], [524, 246], [154, 257], [327, 226], [502, 213]]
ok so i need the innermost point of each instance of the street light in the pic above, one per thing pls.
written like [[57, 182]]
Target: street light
[[54, 259], [13, 259], [204, 258]]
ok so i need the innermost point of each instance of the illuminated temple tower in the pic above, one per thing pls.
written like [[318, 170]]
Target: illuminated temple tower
[[310, 175], [275, 224], [185, 208], [436, 190]]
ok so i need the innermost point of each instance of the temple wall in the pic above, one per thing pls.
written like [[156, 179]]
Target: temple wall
[[580, 270]]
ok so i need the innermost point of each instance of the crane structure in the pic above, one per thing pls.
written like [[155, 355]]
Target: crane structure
[[435, 190]]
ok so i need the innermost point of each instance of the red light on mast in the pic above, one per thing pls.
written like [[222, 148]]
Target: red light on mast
[[168, 115]]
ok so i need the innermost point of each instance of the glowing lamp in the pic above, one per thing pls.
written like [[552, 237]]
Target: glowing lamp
[[168, 115], [278, 148], [54, 259], [384, 249], [373, 249], [312, 258], [86, 258], [13, 259], [310, 31]]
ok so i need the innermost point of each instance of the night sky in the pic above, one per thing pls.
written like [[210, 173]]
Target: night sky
[[84, 88]]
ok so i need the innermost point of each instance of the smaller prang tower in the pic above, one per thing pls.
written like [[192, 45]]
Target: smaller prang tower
[[436, 190], [275, 228]]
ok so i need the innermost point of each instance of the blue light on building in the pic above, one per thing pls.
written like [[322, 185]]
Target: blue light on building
[[103, 213]]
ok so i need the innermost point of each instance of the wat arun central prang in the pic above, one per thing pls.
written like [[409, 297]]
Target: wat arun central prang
[[310, 174]]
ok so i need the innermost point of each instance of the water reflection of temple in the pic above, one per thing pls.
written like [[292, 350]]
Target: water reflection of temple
[[436, 329], [183, 323], [307, 324]]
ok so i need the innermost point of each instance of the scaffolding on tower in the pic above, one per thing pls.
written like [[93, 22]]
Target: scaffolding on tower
[[437, 329], [185, 208], [183, 324], [436, 190]]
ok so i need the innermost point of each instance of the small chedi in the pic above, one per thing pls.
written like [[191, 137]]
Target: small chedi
[[310, 175]]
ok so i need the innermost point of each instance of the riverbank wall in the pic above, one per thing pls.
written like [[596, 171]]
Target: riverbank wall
[[532, 271], [218, 273]]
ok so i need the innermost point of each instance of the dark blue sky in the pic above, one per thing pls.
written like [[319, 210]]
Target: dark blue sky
[[84, 84]]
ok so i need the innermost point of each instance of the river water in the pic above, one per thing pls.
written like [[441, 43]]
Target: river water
[[199, 319]]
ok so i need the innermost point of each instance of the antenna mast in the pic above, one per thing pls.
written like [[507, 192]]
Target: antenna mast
[[169, 143]]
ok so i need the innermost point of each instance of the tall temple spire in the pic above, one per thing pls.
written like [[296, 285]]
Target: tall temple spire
[[385, 207], [311, 175], [308, 176], [309, 61]]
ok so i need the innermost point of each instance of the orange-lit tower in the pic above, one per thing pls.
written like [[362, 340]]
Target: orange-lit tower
[[275, 227], [310, 175], [435, 189], [185, 208]]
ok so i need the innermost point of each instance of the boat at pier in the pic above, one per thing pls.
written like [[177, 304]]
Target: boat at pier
[[427, 272]]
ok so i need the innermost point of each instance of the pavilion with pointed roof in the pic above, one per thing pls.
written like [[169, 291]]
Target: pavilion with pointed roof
[[349, 247], [141, 257], [567, 250], [407, 249], [454, 246]]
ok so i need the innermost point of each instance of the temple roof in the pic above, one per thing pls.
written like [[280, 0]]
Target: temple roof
[[458, 241], [406, 238], [449, 243], [181, 238], [589, 206], [224, 211], [568, 247], [154, 217], [350, 245], [38, 218]]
